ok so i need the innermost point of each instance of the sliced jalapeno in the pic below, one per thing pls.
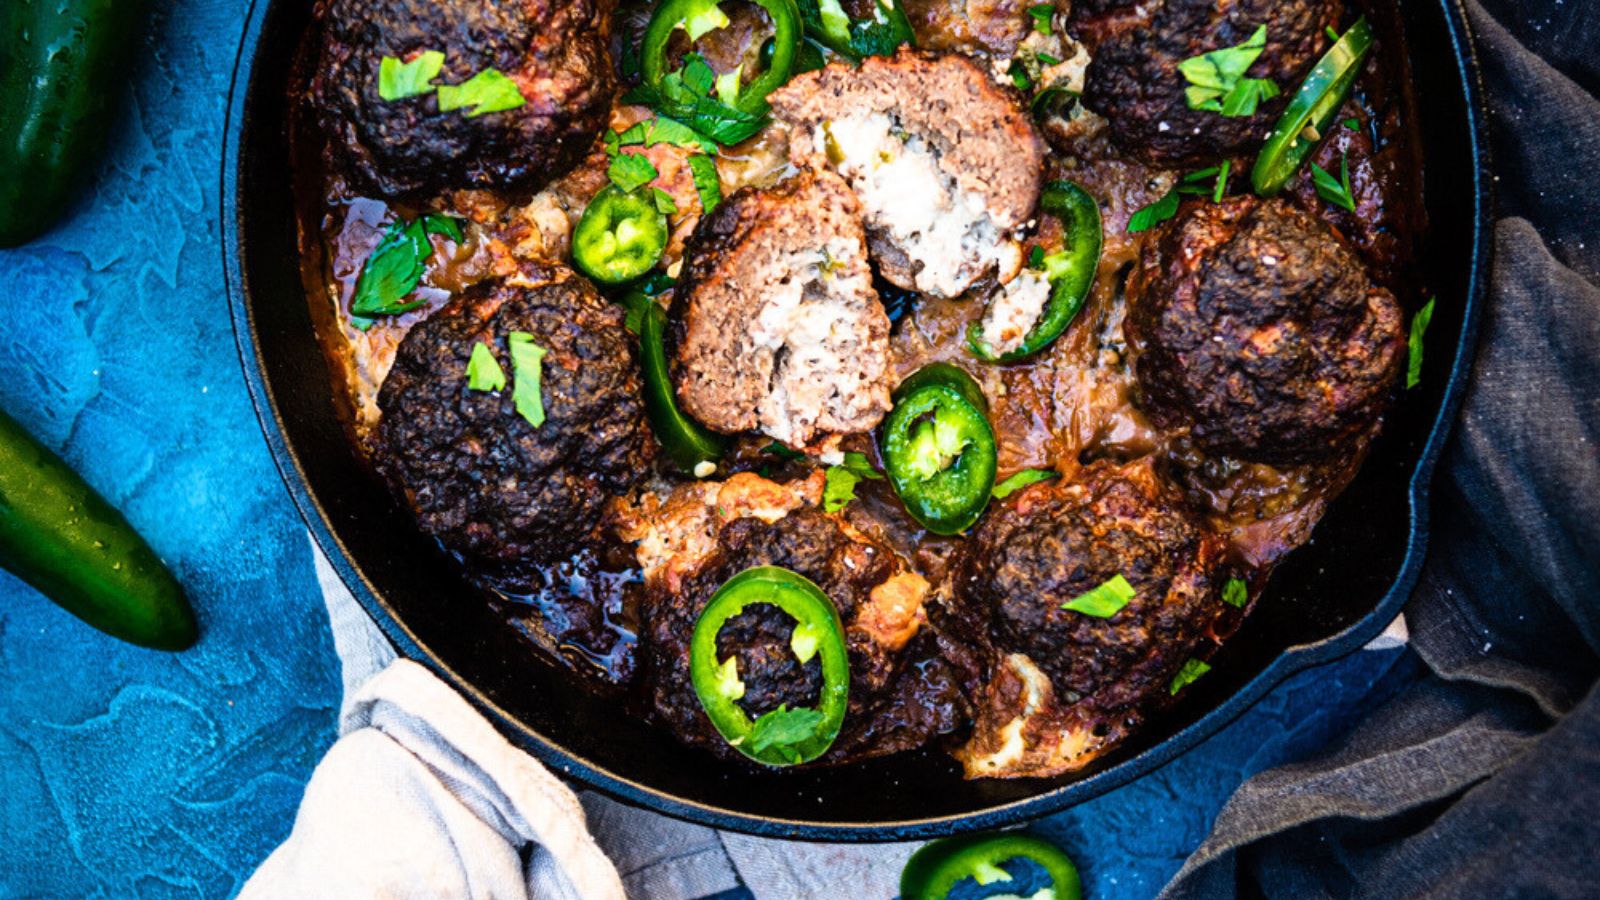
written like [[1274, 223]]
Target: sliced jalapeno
[[685, 441], [620, 237], [752, 99], [1070, 273], [939, 448], [933, 872], [1313, 108], [780, 737]]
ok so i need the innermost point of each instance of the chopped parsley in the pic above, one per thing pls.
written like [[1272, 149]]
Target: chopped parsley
[[1019, 76], [664, 202], [398, 80], [1036, 258], [527, 364], [685, 95], [1236, 593], [1217, 83], [1195, 182], [395, 268], [630, 171], [483, 372], [1419, 327], [782, 452], [1335, 190], [1019, 481], [489, 91], [1104, 601], [1041, 15], [1352, 124], [1046, 59], [783, 728], [1154, 214], [706, 182], [1189, 674], [841, 480]]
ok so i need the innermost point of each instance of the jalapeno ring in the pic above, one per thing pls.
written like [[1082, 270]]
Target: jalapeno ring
[[935, 869], [752, 99], [939, 449], [620, 237]]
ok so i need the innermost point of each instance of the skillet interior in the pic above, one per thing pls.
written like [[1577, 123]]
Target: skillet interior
[[1324, 600]]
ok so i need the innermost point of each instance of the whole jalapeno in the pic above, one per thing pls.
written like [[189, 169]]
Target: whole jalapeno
[[939, 449]]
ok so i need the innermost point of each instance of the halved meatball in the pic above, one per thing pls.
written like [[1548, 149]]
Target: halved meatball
[[1134, 80], [1065, 682], [946, 162], [1257, 328], [901, 694], [478, 476], [775, 324], [554, 53]]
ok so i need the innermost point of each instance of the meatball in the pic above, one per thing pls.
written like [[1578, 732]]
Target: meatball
[[1135, 83], [1258, 329], [776, 325], [1053, 542], [554, 53], [946, 162], [478, 476], [897, 683]]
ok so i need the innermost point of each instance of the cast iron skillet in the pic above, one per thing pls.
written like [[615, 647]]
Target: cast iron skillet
[[1324, 601]]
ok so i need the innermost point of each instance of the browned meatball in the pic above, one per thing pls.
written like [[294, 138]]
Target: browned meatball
[[555, 54], [1053, 542], [1135, 83], [1257, 328], [893, 703], [479, 477]]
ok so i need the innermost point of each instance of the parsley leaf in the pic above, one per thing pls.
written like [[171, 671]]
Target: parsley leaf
[[1189, 674], [1036, 258], [1154, 214], [1236, 593], [398, 80], [527, 363], [489, 91], [664, 202], [783, 728], [666, 131], [782, 452], [1019, 481], [840, 486], [1104, 601], [1214, 77], [1335, 190], [684, 95], [1041, 14], [1046, 59], [483, 371], [630, 171], [1352, 124], [1019, 76], [392, 271], [1419, 327], [706, 182]]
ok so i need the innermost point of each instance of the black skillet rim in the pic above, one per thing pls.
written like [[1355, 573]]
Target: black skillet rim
[[1293, 659]]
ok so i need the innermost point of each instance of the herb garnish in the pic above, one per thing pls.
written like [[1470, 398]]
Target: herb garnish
[[1154, 214], [629, 171], [1019, 76], [1217, 83], [395, 268], [1236, 593], [782, 452], [1419, 327], [706, 182], [1335, 190], [784, 727], [1046, 59], [1352, 124], [685, 95], [489, 91], [1041, 14], [1191, 672], [840, 486], [1195, 182], [1104, 601], [664, 202], [483, 371], [527, 368], [398, 80], [1019, 481]]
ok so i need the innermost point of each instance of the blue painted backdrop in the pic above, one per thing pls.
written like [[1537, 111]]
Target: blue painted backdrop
[[128, 772]]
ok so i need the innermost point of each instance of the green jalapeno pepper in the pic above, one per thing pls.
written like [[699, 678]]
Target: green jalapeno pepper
[[828, 24], [934, 870], [939, 448], [752, 98], [1314, 108], [781, 737], [620, 237], [685, 441], [1070, 273]]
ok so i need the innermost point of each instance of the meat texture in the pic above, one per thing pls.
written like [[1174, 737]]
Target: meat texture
[[1134, 79], [775, 325], [1067, 683], [946, 162], [554, 53], [1257, 328], [478, 476]]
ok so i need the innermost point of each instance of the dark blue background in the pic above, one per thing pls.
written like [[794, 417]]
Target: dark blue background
[[129, 772]]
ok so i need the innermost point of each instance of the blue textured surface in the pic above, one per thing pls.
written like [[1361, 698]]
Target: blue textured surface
[[128, 772]]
